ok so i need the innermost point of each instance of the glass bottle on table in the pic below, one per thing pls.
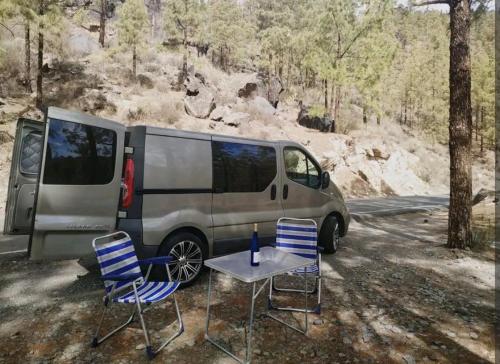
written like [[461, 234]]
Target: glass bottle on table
[[254, 248]]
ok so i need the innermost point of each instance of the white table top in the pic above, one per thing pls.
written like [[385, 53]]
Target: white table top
[[272, 262]]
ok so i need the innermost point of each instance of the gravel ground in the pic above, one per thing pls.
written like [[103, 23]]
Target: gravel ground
[[391, 294]]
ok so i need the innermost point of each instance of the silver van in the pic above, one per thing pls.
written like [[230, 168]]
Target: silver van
[[186, 194]]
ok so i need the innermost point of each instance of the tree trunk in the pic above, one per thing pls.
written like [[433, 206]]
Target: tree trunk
[[378, 119], [102, 22], [134, 61], [27, 57], [365, 118], [481, 128], [477, 120], [460, 128], [336, 108], [221, 59], [325, 83], [39, 75]]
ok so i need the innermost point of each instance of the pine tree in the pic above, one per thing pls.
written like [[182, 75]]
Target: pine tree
[[99, 7], [48, 21], [182, 20], [132, 27], [229, 32]]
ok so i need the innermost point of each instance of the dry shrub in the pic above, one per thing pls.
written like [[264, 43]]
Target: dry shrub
[[167, 111], [163, 86], [346, 126], [11, 61], [152, 68]]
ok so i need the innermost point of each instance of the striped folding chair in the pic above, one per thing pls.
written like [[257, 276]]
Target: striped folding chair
[[299, 236], [125, 284]]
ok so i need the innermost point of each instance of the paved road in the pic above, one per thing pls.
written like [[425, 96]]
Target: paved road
[[395, 205], [359, 207]]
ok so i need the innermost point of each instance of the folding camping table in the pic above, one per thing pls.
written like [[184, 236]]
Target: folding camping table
[[273, 262]]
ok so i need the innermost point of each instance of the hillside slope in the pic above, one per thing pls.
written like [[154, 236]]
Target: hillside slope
[[372, 160]]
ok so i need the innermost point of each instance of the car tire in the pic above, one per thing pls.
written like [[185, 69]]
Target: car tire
[[188, 251], [329, 237]]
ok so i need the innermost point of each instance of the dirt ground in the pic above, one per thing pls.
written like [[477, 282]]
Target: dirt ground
[[391, 294]]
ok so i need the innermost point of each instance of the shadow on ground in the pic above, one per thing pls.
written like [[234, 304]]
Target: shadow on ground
[[391, 294]]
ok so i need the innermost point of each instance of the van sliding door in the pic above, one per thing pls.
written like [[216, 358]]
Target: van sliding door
[[246, 181], [79, 184]]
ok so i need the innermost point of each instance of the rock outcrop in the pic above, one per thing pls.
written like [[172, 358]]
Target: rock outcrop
[[259, 85], [200, 99], [324, 124]]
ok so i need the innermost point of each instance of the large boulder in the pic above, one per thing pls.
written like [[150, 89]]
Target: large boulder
[[324, 124], [199, 100], [145, 81], [260, 85], [220, 112], [236, 118], [260, 107]]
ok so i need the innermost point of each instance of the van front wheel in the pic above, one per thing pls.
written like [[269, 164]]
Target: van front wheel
[[187, 251], [329, 236]]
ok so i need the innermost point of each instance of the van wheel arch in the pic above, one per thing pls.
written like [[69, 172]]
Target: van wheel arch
[[187, 229], [340, 219]]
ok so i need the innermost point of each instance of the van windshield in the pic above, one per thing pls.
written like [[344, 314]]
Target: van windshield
[[79, 154]]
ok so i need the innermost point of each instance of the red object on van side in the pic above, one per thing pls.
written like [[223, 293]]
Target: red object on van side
[[128, 183]]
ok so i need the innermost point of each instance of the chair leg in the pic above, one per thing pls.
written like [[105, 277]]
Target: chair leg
[[316, 289], [96, 341], [179, 323], [149, 351], [283, 289]]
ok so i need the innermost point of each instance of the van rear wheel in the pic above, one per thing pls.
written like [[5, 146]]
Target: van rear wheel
[[187, 251], [329, 236]]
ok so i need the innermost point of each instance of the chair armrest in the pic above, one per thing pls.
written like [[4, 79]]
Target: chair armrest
[[121, 277], [320, 248], [156, 260]]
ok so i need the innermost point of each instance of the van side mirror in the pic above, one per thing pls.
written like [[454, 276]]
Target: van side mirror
[[325, 180]]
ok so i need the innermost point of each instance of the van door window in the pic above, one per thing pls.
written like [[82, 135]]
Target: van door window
[[301, 169], [31, 151], [242, 167], [79, 154]]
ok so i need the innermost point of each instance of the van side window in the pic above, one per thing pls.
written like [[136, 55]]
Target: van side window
[[242, 167], [301, 169], [31, 151], [79, 154]]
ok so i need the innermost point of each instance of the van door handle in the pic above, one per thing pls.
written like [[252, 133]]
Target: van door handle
[[273, 192], [285, 192]]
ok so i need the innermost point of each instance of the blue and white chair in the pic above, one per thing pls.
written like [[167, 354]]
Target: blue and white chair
[[125, 284], [299, 236]]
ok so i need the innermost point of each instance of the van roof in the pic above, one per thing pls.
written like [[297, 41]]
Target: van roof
[[198, 135]]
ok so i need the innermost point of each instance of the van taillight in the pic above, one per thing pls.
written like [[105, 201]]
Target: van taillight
[[128, 183]]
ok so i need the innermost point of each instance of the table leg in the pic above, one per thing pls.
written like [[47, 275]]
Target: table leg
[[250, 326], [255, 294], [208, 303], [305, 293]]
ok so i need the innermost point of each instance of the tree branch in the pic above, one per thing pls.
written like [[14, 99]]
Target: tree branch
[[431, 2], [7, 28]]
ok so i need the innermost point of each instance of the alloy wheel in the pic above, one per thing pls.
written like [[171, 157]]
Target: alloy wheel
[[336, 237], [188, 260]]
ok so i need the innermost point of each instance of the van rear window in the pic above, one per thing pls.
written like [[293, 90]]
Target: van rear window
[[242, 167], [79, 154]]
